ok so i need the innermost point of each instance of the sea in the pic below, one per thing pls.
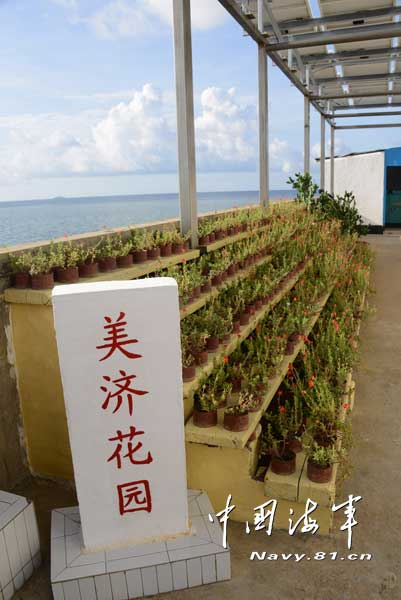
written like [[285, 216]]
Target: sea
[[26, 221]]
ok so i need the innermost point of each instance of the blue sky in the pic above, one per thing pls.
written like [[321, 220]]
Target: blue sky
[[87, 102]]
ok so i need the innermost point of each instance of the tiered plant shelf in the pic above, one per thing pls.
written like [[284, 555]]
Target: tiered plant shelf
[[298, 487], [200, 302], [236, 339], [228, 240], [217, 435], [44, 297]]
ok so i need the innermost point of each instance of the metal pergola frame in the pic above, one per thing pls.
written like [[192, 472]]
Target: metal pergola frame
[[284, 43]]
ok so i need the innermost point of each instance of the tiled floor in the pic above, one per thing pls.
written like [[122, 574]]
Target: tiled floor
[[19, 543], [138, 571]]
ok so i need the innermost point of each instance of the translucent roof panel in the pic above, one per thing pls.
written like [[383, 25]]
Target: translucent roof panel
[[338, 66]]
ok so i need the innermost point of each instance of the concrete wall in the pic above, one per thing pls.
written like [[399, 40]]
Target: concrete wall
[[363, 175], [12, 465]]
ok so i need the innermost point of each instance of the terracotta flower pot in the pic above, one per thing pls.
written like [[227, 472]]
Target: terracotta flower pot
[[196, 291], [212, 344], [226, 338], [21, 280], [295, 445], [212, 237], [204, 240], [220, 234], [124, 261], [217, 279], [88, 269], [290, 348], [178, 248], [284, 465], [204, 418], [236, 422], [153, 253], [258, 304], [69, 275], [44, 281], [188, 373], [236, 384], [244, 318], [231, 231], [108, 263], [206, 287], [140, 256], [166, 250], [237, 326], [201, 358], [318, 474]]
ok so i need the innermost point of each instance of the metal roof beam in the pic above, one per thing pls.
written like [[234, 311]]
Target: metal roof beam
[[367, 106], [337, 36], [351, 78], [325, 97], [362, 54], [396, 113], [359, 15], [375, 126]]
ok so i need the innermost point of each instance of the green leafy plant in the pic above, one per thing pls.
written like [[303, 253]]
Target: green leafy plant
[[20, 263]]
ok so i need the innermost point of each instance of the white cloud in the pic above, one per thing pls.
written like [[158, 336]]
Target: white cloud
[[225, 130], [137, 136], [124, 18]]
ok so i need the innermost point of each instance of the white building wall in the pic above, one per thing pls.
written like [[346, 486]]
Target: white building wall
[[362, 174]]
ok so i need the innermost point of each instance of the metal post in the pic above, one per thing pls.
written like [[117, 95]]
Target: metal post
[[307, 135], [185, 119], [332, 148], [322, 152], [263, 128], [263, 114]]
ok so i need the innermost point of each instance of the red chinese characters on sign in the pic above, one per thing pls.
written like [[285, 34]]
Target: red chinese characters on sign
[[132, 449], [134, 497], [116, 338], [122, 390]]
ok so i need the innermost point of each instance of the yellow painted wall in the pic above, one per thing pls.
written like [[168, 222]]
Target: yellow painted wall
[[41, 394]]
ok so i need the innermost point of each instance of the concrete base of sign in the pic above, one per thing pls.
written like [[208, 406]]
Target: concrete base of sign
[[141, 570], [19, 543]]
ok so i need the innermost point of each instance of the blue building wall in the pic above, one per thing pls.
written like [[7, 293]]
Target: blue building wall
[[392, 158]]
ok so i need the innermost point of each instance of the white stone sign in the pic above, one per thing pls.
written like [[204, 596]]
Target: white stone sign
[[120, 359]]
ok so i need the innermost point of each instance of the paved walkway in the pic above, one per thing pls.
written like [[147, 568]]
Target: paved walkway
[[376, 476]]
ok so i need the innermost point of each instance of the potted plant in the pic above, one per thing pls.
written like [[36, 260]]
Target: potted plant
[[155, 240], [197, 337], [41, 273], [205, 407], [320, 462], [188, 361], [139, 242], [164, 240], [20, 265], [123, 252], [66, 259], [88, 265], [278, 433], [236, 418], [215, 325], [178, 242], [204, 229], [107, 254]]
